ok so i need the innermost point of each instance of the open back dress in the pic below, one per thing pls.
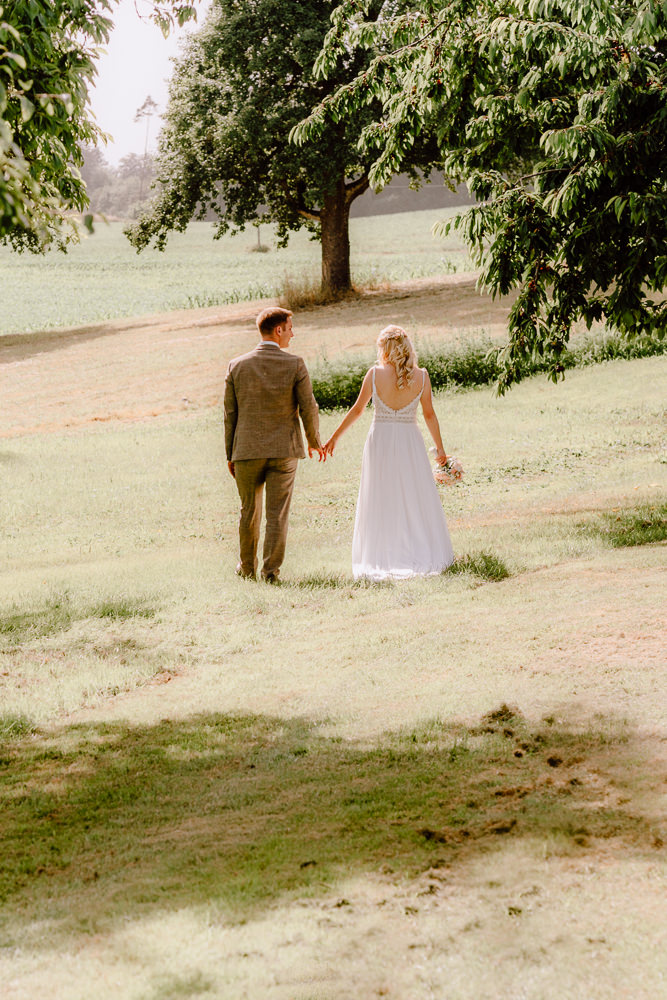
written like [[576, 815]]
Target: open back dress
[[400, 528]]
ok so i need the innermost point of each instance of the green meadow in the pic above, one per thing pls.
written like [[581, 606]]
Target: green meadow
[[105, 278], [450, 786]]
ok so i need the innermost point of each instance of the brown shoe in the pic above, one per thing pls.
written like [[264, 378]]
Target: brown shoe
[[242, 573]]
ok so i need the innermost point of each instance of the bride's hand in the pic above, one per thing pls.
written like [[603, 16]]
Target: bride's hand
[[440, 458], [330, 445]]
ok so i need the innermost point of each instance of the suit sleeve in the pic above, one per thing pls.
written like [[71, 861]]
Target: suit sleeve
[[309, 411], [230, 413]]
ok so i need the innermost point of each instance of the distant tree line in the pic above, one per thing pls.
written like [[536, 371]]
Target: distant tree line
[[48, 62], [117, 192], [122, 192]]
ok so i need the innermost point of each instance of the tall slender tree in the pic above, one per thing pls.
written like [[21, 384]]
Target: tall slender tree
[[147, 110]]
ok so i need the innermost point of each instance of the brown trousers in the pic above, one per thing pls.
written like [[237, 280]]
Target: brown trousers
[[252, 475]]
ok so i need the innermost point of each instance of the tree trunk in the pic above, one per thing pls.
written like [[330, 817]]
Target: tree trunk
[[334, 228]]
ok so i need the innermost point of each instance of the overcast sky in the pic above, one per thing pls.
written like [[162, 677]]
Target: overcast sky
[[136, 65]]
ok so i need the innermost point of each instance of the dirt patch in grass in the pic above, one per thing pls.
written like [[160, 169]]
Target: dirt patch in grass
[[130, 370]]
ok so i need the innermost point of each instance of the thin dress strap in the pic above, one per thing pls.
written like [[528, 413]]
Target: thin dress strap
[[373, 379]]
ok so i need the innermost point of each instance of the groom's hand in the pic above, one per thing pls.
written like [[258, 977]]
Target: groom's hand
[[232, 472], [322, 455]]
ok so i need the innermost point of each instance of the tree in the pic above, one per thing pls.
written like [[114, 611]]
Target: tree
[[147, 110], [563, 137], [95, 171], [116, 192], [245, 80], [48, 53]]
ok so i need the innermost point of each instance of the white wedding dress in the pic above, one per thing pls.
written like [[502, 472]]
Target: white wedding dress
[[400, 528]]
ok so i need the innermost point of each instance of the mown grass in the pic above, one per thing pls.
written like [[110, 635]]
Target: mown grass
[[219, 810], [148, 509], [336, 383], [58, 612]]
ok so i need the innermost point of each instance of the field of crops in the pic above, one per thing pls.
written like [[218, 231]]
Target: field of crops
[[104, 278]]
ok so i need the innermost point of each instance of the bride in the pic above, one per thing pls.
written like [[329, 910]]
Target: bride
[[400, 528]]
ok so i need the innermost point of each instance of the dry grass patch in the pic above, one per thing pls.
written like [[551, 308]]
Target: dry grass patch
[[64, 652]]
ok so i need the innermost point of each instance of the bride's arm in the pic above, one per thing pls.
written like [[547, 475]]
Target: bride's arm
[[353, 413], [432, 420]]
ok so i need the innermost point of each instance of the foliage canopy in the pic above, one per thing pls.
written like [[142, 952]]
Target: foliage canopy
[[48, 54], [554, 112]]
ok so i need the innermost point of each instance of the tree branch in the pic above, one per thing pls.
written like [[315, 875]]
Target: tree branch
[[298, 203], [355, 188]]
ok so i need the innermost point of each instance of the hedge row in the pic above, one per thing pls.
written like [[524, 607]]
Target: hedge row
[[336, 384]]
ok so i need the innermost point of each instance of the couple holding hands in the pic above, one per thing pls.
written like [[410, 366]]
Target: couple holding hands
[[400, 528]]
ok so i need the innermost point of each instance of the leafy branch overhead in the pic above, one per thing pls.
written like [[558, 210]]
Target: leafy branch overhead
[[555, 114], [48, 55]]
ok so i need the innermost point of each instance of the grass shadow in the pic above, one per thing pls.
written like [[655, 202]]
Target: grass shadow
[[336, 581], [22, 346], [169, 987], [483, 565], [106, 822]]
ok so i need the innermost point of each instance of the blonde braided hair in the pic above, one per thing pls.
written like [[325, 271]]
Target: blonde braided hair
[[395, 347]]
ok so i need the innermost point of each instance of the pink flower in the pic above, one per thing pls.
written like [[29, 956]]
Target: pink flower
[[449, 473]]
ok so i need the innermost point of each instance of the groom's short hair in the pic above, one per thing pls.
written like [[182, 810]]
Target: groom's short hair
[[270, 318]]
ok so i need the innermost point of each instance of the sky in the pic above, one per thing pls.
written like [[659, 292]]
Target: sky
[[136, 65]]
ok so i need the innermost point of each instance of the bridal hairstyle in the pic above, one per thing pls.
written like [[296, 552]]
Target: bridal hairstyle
[[395, 347], [270, 318]]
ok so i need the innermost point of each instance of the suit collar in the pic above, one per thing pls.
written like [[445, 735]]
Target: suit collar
[[269, 345]]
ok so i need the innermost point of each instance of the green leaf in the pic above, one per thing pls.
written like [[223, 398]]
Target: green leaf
[[17, 58], [27, 108]]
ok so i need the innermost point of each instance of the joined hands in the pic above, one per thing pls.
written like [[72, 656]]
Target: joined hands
[[330, 445]]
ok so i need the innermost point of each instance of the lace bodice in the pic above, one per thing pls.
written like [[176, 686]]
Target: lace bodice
[[387, 414]]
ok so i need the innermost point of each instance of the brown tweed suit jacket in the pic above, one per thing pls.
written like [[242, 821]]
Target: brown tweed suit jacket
[[266, 391]]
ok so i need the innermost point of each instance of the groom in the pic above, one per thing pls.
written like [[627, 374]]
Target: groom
[[266, 391]]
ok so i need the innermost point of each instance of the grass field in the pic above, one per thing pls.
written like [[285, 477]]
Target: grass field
[[104, 277], [211, 788]]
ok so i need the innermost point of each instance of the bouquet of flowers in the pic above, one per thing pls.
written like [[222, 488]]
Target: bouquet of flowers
[[449, 473]]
